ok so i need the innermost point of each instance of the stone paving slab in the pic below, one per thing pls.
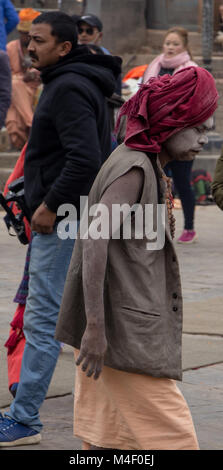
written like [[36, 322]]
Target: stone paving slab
[[205, 317], [201, 350], [201, 263], [57, 417], [203, 391]]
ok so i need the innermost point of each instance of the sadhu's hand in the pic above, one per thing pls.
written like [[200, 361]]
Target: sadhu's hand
[[92, 351]]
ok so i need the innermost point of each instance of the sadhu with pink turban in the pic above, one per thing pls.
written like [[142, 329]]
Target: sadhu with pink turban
[[167, 104], [163, 107], [122, 302]]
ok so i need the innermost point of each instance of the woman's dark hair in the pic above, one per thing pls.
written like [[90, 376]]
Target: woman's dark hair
[[62, 26]]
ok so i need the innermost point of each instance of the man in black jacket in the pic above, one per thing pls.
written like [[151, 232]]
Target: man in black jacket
[[69, 141]]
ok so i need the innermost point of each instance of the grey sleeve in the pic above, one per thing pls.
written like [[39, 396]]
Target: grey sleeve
[[217, 185]]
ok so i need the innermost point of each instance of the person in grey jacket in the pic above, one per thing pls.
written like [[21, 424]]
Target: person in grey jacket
[[5, 87], [122, 302]]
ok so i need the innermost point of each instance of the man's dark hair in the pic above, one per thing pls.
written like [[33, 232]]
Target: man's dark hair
[[62, 25]]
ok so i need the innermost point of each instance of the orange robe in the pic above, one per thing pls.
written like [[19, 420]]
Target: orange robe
[[20, 114], [129, 411]]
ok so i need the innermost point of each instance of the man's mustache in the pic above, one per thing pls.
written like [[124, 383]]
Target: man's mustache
[[33, 55]]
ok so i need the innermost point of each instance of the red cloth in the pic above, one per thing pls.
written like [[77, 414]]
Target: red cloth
[[167, 104], [16, 340], [15, 363], [16, 345], [18, 169], [16, 333]]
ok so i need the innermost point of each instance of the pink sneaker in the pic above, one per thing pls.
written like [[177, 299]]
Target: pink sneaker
[[188, 236]]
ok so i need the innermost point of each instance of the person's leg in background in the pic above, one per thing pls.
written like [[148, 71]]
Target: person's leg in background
[[181, 174]]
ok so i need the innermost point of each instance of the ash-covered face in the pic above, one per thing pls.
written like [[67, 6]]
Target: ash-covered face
[[187, 143]]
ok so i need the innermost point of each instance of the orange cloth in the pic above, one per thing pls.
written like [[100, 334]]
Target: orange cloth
[[26, 16], [127, 411], [136, 72], [20, 114]]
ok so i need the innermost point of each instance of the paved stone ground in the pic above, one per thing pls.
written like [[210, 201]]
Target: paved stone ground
[[202, 386]]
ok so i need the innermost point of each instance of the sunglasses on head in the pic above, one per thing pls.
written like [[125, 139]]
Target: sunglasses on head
[[89, 30]]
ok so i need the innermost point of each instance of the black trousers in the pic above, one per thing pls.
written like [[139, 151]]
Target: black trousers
[[181, 174]]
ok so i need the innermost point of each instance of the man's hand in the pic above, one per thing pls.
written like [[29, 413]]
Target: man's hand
[[43, 220], [92, 351], [31, 76]]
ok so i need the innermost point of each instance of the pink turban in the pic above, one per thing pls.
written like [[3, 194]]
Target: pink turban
[[167, 104]]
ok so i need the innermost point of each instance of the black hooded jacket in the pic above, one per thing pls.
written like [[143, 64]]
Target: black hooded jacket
[[70, 137]]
